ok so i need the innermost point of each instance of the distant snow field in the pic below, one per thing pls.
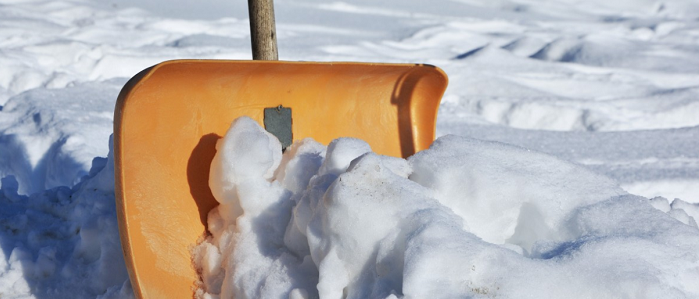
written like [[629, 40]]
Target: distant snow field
[[571, 168]]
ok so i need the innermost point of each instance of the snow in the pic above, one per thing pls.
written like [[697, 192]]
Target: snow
[[569, 108], [62, 242], [44, 140], [465, 217]]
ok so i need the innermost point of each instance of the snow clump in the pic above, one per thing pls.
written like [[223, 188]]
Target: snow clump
[[465, 218]]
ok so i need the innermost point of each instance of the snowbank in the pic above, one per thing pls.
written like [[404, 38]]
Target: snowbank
[[464, 218], [63, 242], [49, 137]]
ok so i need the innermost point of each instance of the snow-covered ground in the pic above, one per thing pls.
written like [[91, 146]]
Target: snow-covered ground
[[612, 86]]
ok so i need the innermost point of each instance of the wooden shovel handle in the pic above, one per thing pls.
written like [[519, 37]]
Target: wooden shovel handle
[[263, 33]]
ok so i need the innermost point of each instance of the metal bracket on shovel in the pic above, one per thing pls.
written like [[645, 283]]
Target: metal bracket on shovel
[[278, 122]]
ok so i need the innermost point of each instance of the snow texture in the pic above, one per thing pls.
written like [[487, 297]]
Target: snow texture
[[62, 242], [612, 87], [466, 218]]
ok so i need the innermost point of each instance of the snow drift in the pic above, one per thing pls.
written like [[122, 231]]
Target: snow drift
[[463, 218]]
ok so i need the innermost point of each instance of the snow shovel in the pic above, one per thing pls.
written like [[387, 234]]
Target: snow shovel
[[168, 118]]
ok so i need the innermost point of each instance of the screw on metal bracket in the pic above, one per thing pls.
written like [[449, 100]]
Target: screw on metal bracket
[[278, 122]]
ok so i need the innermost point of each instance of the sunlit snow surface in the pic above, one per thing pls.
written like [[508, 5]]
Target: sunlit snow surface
[[463, 218], [612, 86]]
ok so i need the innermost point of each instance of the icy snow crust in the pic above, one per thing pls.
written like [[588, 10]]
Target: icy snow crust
[[464, 218]]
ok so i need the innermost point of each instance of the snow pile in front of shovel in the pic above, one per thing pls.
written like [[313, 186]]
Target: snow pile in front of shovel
[[464, 218]]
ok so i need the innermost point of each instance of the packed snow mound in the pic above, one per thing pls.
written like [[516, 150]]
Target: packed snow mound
[[463, 218], [47, 136], [63, 242], [507, 194]]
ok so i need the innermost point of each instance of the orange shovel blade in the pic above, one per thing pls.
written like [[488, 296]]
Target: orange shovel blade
[[169, 117]]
